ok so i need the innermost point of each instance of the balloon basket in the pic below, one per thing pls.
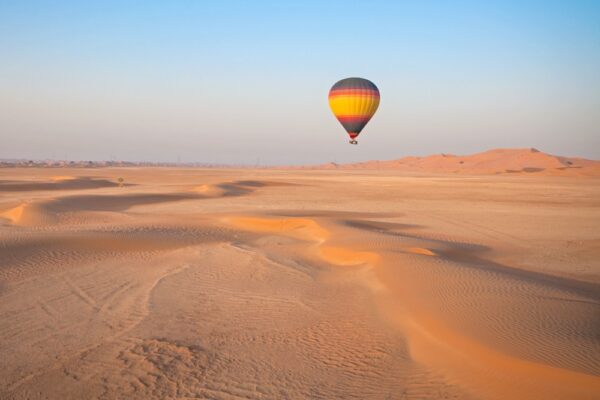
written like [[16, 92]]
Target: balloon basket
[[353, 141]]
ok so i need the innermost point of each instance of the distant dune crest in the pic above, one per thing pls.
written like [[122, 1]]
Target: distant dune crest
[[495, 161]]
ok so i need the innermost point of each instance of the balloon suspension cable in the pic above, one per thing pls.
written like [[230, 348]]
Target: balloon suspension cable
[[353, 141]]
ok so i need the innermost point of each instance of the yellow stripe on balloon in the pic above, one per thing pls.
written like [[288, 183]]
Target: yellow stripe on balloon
[[354, 105]]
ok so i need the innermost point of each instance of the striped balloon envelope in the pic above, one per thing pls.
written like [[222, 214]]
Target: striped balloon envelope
[[353, 102]]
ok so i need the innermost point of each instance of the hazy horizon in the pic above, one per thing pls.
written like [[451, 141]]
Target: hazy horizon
[[241, 83]]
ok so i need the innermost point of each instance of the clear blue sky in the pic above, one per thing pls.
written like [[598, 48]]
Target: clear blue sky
[[238, 81]]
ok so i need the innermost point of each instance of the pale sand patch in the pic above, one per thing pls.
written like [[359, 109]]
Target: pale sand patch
[[209, 190], [60, 178], [345, 256], [420, 250], [301, 228], [14, 214]]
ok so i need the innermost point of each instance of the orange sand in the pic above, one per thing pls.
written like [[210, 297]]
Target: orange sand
[[268, 284]]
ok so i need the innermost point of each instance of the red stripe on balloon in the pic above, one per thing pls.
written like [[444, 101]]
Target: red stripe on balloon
[[353, 118], [354, 92]]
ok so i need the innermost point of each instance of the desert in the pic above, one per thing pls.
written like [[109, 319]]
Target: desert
[[323, 283], [300, 200]]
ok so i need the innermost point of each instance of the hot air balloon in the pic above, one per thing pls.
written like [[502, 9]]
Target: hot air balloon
[[353, 102]]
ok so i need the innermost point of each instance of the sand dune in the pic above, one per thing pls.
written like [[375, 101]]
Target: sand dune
[[497, 161], [259, 284], [28, 214], [47, 212], [235, 188], [57, 183]]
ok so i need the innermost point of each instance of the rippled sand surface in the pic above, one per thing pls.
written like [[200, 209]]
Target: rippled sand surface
[[265, 284]]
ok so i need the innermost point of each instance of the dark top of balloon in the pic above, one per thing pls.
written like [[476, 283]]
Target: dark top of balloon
[[354, 83]]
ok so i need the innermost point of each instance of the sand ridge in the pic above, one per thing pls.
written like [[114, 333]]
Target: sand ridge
[[496, 161], [48, 211], [62, 182], [306, 229]]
